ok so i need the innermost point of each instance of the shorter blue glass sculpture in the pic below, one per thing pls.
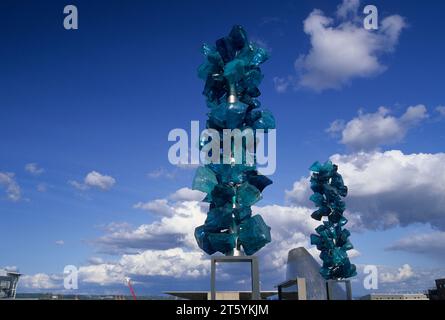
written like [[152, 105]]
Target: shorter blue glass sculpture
[[331, 239]]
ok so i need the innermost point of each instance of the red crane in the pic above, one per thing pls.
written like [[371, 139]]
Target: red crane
[[128, 281]]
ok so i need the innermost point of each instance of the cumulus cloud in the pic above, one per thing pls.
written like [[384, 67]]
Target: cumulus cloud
[[176, 229], [158, 206], [187, 194], [370, 130], [174, 263], [94, 179], [34, 169], [290, 228], [403, 273], [8, 182], [41, 281], [431, 244], [348, 8], [342, 49], [388, 189], [164, 208]]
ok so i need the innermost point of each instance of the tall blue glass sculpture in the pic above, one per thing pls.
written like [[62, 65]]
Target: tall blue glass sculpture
[[231, 73], [331, 238]]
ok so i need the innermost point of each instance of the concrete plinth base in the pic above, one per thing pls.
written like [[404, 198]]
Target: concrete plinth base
[[330, 289]]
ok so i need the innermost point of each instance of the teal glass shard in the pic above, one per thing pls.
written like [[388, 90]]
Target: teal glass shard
[[219, 218], [260, 56], [205, 180], [347, 246], [218, 114], [207, 49], [325, 273], [222, 242], [242, 213], [322, 212], [252, 78], [318, 199], [343, 221], [234, 70], [265, 122], [247, 195], [259, 181], [238, 37], [235, 114], [222, 194], [332, 240], [315, 167], [225, 49], [201, 237], [254, 234], [315, 240]]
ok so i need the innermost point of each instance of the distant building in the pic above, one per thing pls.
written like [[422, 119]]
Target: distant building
[[8, 284], [439, 292], [225, 295], [390, 296]]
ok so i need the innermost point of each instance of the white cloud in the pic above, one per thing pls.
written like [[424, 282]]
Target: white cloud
[[281, 84], [343, 50], [59, 242], [161, 173], [94, 179], [34, 169], [78, 185], [347, 8], [441, 110], [96, 260], [163, 206], [42, 187], [40, 281], [174, 263], [336, 126], [290, 228], [158, 206], [404, 273], [187, 194], [371, 130], [172, 231], [10, 268], [431, 244], [13, 191], [102, 274], [387, 189]]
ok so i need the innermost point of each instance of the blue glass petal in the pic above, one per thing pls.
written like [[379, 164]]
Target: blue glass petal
[[205, 180]]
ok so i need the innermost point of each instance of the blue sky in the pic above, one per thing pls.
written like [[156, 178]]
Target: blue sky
[[103, 99]]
